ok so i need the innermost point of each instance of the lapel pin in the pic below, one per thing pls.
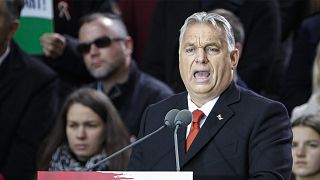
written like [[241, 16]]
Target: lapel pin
[[219, 117]]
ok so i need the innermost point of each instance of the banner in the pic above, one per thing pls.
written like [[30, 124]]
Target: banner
[[36, 19], [115, 175]]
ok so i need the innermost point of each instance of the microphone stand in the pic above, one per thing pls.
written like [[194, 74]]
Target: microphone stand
[[176, 148], [125, 148], [182, 119]]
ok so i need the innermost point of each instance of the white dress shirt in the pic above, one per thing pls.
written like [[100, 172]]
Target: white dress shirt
[[206, 109], [4, 55]]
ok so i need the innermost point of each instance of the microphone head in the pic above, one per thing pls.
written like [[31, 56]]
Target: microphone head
[[183, 118], [169, 119]]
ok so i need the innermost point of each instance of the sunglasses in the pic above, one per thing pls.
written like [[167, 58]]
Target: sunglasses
[[101, 42]]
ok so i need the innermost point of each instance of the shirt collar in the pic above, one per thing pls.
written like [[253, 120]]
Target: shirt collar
[[114, 92], [4, 55], [206, 108]]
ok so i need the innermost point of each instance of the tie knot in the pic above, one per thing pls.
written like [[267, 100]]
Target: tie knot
[[197, 115]]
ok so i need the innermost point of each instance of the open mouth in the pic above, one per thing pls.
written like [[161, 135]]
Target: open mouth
[[201, 74]]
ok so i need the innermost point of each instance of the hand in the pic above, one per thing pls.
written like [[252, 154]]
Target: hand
[[53, 44]]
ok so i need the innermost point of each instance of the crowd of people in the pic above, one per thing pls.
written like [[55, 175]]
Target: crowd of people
[[250, 68]]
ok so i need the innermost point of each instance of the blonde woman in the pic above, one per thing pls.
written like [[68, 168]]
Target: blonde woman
[[313, 104]]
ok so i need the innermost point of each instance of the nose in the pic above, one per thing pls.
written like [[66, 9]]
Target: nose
[[81, 133], [201, 55], [93, 49], [300, 151]]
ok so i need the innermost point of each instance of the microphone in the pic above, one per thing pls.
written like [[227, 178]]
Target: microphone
[[170, 117], [183, 118], [168, 122]]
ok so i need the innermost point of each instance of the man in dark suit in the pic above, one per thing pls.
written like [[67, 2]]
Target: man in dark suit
[[28, 103], [242, 135]]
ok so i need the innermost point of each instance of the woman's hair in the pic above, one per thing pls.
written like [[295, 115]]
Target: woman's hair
[[312, 121], [316, 72], [313, 104], [116, 134]]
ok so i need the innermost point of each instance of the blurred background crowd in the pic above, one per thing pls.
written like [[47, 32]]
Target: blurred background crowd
[[83, 97]]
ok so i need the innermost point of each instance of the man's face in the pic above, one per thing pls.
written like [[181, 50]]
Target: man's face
[[103, 62], [205, 63]]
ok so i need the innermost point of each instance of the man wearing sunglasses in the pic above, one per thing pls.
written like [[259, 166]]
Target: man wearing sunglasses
[[106, 48]]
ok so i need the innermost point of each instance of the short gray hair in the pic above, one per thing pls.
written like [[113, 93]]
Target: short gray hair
[[116, 19], [215, 20]]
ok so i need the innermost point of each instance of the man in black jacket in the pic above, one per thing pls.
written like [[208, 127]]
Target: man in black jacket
[[234, 133], [59, 46], [106, 48], [28, 102]]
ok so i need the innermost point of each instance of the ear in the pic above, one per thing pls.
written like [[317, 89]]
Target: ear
[[234, 57], [128, 44], [13, 27], [239, 47]]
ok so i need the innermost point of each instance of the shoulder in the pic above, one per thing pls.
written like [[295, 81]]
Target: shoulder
[[36, 67], [256, 103], [156, 112], [311, 20], [311, 25], [32, 67], [151, 84], [176, 101]]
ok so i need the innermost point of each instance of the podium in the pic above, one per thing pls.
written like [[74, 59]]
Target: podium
[[115, 175]]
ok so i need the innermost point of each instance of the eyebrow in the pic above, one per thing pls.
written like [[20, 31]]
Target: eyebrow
[[214, 44], [206, 45], [189, 44], [308, 141], [313, 140], [85, 121]]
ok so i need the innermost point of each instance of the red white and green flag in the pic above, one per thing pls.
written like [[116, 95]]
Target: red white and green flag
[[36, 19]]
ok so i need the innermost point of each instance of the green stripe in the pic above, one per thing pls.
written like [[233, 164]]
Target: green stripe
[[29, 33]]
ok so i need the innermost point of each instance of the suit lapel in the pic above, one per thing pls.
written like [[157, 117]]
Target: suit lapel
[[10, 72], [179, 103], [181, 131], [219, 115]]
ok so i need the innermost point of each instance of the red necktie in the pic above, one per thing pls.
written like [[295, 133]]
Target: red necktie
[[195, 127]]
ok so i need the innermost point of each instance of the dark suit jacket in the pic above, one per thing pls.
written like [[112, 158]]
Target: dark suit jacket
[[28, 106], [252, 141]]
